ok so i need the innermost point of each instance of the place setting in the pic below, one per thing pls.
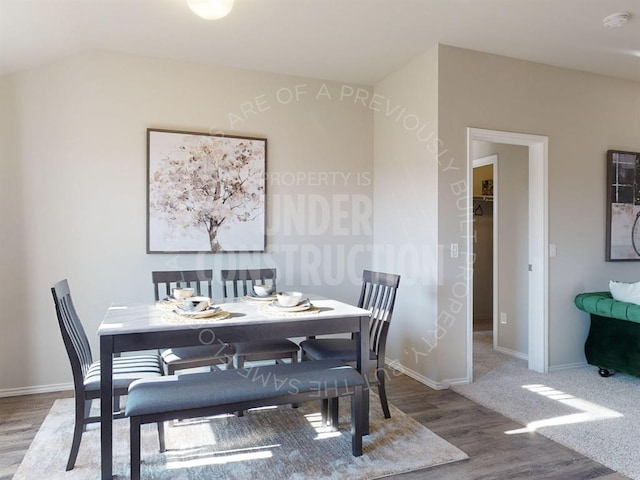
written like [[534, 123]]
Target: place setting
[[260, 294], [288, 303], [184, 304]]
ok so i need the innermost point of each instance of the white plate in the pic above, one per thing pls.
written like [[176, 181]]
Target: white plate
[[208, 312], [301, 307], [253, 296]]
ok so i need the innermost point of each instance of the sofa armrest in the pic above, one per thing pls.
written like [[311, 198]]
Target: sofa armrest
[[602, 304]]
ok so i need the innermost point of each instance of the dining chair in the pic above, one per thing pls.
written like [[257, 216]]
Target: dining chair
[[236, 283], [180, 358], [200, 280], [378, 295], [86, 371]]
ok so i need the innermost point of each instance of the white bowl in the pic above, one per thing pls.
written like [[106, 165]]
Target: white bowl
[[196, 304], [263, 290], [289, 299], [182, 293]]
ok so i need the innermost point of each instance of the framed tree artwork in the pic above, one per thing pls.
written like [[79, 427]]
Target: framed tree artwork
[[623, 206], [205, 192]]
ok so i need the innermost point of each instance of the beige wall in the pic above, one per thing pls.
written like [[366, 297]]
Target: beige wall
[[74, 188], [405, 218], [583, 115], [513, 246], [73, 177]]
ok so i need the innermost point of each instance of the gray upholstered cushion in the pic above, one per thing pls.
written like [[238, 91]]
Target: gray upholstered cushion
[[266, 347], [191, 354], [199, 390], [332, 348], [125, 370]]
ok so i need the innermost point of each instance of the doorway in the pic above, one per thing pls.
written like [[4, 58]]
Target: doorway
[[484, 181], [537, 249]]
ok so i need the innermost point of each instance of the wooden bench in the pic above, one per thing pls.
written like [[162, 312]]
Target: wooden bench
[[205, 394]]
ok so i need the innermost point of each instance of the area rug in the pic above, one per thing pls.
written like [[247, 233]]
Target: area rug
[[597, 417], [282, 443]]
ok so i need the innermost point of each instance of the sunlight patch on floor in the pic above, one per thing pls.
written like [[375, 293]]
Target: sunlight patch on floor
[[195, 458], [590, 412]]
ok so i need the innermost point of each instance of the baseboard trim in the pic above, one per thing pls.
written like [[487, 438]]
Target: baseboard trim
[[57, 387], [512, 353], [417, 376], [568, 366]]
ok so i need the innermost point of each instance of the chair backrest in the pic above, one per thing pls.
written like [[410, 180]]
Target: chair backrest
[[200, 280], [378, 295], [244, 280], [73, 334]]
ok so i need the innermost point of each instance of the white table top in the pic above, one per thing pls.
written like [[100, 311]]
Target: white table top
[[121, 320]]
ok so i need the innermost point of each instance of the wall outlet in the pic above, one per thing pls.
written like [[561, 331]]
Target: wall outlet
[[503, 318], [454, 250]]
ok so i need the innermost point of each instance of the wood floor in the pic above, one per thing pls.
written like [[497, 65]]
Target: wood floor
[[474, 429]]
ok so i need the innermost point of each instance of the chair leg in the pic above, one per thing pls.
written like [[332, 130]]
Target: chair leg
[[161, 437], [294, 358], [240, 359], [324, 411], [356, 422], [134, 445], [87, 414], [333, 414], [382, 393], [78, 428]]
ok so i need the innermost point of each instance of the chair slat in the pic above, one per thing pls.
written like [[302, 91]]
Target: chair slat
[[200, 280], [243, 280]]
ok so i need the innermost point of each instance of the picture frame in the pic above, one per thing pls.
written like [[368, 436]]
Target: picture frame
[[623, 206], [206, 193]]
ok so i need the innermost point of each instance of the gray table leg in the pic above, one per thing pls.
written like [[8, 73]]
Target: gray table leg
[[106, 406], [364, 367]]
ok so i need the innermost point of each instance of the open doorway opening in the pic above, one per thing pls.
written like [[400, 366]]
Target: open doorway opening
[[526, 270], [483, 247]]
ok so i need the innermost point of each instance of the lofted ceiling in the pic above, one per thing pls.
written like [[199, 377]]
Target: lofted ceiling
[[359, 41]]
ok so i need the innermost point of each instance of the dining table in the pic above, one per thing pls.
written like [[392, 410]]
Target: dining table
[[127, 328]]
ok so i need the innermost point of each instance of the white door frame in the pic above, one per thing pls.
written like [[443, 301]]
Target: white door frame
[[538, 242]]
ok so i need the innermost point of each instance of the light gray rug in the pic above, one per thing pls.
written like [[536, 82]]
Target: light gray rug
[[281, 443], [598, 417]]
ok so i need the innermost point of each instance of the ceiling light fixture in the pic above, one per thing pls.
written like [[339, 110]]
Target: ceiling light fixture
[[616, 19], [210, 9]]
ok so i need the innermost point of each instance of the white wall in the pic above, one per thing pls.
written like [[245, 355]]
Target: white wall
[[405, 218], [583, 115], [74, 188]]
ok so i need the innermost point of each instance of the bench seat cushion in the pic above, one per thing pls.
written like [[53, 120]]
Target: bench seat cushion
[[201, 390]]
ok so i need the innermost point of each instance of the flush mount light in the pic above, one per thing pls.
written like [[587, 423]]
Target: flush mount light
[[210, 9], [616, 19]]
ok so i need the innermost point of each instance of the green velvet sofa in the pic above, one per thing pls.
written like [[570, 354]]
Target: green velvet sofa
[[614, 336]]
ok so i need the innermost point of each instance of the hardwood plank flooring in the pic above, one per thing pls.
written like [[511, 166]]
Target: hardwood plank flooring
[[476, 430], [20, 420], [480, 433]]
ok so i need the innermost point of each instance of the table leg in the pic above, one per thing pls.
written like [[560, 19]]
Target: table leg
[[364, 367], [106, 406]]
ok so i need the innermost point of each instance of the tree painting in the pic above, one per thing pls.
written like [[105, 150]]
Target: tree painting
[[201, 186]]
